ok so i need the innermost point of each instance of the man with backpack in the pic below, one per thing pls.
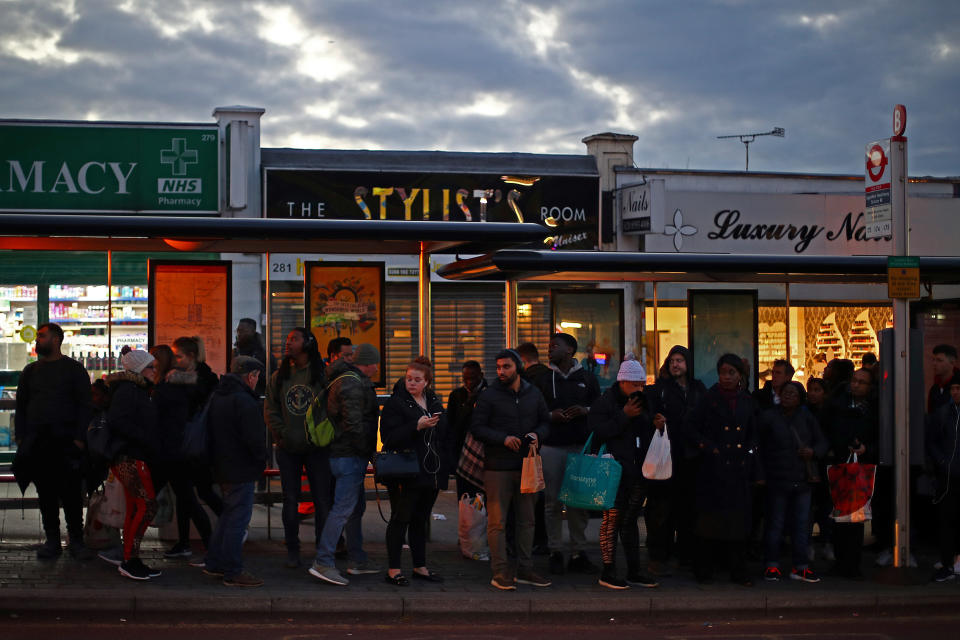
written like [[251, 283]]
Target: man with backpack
[[352, 407]]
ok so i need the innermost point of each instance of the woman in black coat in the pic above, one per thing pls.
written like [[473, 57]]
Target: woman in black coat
[[413, 419], [172, 396], [722, 429], [189, 356]]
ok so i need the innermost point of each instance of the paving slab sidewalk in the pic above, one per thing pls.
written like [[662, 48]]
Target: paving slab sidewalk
[[66, 585]]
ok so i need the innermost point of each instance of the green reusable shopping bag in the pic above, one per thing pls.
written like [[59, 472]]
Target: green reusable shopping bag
[[590, 481]]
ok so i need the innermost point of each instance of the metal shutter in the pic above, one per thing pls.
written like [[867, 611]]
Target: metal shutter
[[467, 325], [402, 331]]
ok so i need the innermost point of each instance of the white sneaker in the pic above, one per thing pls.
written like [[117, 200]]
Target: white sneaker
[[329, 575], [885, 559]]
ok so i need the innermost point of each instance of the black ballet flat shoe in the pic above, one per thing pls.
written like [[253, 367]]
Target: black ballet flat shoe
[[428, 577], [398, 580]]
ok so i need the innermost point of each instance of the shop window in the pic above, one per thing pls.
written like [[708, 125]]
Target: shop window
[[837, 331], [595, 319], [671, 330], [939, 323]]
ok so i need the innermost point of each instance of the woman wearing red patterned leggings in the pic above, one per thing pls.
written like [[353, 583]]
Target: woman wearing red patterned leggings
[[620, 420], [132, 422]]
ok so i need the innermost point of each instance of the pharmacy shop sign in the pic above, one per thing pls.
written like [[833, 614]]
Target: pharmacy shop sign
[[108, 168]]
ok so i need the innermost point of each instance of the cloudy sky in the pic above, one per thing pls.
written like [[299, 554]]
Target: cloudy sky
[[509, 75]]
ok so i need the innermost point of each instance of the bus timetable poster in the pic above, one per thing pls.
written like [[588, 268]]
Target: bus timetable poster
[[192, 299]]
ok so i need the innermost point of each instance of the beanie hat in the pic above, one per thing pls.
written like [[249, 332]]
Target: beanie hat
[[955, 379], [631, 370], [136, 361], [365, 354], [513, 355], [242, 365]]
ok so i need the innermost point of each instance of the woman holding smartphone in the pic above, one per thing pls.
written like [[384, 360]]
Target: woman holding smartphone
[[413, 419]]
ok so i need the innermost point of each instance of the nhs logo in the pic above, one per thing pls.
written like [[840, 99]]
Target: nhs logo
[[180, 185]]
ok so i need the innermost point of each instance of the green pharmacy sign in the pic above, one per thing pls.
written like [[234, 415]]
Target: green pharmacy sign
[[109, 168]]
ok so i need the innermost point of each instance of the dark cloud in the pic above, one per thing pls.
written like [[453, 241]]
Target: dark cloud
[[676, 74]]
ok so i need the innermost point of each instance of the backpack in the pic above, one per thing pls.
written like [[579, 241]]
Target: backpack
[[196, 443], [317, 423]]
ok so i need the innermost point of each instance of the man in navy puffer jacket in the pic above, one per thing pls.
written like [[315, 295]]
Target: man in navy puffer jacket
[[510, 419]]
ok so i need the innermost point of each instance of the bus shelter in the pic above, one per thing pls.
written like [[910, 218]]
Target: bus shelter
[[110, 233], [901, 428]]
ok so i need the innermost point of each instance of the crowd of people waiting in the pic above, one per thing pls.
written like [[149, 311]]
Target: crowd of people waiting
[[748, 469]]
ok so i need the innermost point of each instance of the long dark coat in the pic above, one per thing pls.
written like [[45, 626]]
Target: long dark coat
[[725, 478]]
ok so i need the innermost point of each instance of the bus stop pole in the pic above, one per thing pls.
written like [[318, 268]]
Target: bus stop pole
[[110, 360], [901, 329], [424, 302], [510, 313]]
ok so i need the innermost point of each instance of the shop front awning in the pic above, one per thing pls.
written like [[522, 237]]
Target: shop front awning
[[607, 266], [81, 232]]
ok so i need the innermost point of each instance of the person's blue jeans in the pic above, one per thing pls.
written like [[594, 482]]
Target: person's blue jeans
[[291, 465], [226, 541], [783, 499], [346, 510]]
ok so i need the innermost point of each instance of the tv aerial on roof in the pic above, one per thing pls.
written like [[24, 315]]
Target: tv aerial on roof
[[747, 138]]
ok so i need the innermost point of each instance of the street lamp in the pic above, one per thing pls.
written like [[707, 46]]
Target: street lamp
[[747, 138]]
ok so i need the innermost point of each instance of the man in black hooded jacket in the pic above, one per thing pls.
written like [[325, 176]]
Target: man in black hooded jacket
[[674, 394]]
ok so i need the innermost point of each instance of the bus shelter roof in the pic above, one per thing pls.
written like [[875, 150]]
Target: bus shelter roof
[[593, 266], [82, 232]]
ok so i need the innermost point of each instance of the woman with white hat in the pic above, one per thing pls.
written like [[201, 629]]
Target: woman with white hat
[[620, 420], [132, 422]]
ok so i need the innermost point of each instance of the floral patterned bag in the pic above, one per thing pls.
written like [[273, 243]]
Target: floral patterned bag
[[851, 488]]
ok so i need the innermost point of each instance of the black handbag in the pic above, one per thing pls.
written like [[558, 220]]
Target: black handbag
[[393, 466], [99, 444]]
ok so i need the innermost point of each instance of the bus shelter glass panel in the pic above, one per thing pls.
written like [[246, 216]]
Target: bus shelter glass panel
[[595, 319]]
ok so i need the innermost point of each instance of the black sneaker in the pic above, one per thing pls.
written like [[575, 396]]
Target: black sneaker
[[151, 572], [805, 575], [772, 574], [609, 579], [49, 550], [179, 550], [580, 563], [556, 563], [641, 580], [944, 574], [133, 571], [79, 551]]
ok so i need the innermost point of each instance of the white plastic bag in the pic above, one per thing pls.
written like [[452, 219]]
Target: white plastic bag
[[472, 527], [114, 507], [658, 465]]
